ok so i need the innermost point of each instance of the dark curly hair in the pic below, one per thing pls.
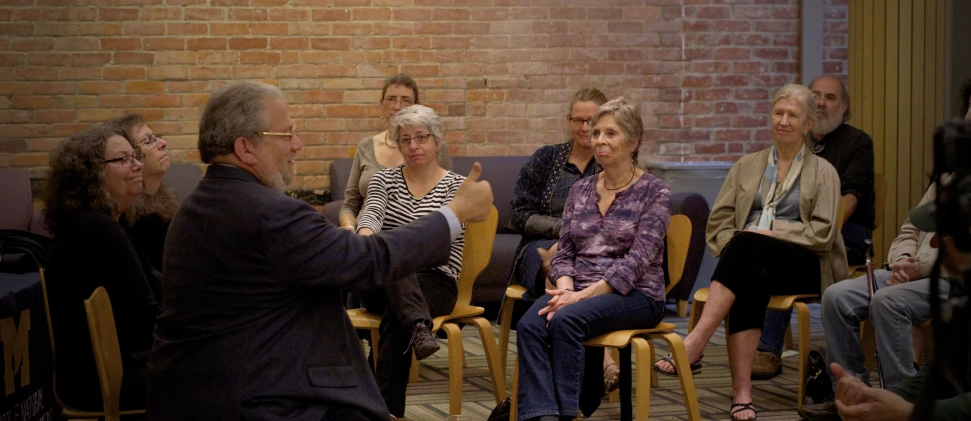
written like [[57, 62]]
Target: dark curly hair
[[163, 202], [75, 183]]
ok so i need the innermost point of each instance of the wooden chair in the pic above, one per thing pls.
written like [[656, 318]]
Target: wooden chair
[[479, 238], [72, 414], [107, 354], [868, 343], [779, 303], [677, 240]]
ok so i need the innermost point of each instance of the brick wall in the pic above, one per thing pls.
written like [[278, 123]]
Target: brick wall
[[498, 71]]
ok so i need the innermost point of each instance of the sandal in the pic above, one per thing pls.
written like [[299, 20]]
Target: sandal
[[695, 366], [739, 407], [611, 378]]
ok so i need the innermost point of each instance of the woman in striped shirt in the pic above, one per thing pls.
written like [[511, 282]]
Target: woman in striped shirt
[[395, 197]]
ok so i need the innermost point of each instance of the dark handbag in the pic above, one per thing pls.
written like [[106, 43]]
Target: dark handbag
[[819, 386], [501, 413]]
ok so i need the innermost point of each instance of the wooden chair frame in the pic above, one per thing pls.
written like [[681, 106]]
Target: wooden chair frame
[[677, 240], [479, 240]]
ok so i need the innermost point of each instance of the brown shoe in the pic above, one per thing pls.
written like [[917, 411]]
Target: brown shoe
[[766, 366], [825, 411]]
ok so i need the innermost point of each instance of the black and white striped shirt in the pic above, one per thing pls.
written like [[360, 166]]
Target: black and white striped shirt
[[389, 205]]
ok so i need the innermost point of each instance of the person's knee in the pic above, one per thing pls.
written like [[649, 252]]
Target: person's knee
[[885, 303], [531, 324], [563, 322]]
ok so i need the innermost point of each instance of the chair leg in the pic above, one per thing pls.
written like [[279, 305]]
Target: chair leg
[[788, 339], [653, 357], [496, 370], [681, 308], [505, 324], [415, 368], [514, 399], [867, 344], [802, 313], [455, 356], [645, 351], [696, 308], [375, 337], [676, 345]]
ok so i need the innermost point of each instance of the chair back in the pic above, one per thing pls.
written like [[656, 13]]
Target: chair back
[[17, 210], [677, 240], [107, 354], [479, 239], [880, 198]]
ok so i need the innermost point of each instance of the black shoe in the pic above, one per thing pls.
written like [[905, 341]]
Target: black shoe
[[825, 411], [423, 341]]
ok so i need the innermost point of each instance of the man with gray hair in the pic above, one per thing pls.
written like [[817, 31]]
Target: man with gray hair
[[850, 150], [253, 326]]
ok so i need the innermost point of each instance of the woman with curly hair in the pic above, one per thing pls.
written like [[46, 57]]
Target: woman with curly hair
[[95, 177], [147, 221]]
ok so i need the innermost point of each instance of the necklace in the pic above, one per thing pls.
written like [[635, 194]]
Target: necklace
[[632, 172]]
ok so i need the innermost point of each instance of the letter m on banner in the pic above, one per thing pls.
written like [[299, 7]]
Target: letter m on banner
[[15, 353]]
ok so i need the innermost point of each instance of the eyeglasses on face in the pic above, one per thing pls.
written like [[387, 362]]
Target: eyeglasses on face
[[421, 139], [150, 140], [289, 134], [127, 160], [405, 100], [579, 121]]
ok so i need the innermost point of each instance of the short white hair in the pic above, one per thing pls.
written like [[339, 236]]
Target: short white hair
[[417, 115]]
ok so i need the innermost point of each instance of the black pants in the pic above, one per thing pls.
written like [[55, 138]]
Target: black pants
[[854, 238], [342, 413], [415, 298], [754, 266]]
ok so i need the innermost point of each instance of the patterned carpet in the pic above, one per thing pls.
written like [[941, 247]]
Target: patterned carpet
[[775, 399]]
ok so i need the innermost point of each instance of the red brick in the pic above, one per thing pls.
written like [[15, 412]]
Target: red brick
[[32, 14], [123, 73], [289, 15], [32, 44], [168, 72], [771, 53], [159, 44], [751, 121], [12, 145], [75, 101], [117, 13], [332, 43], [35, 73], [120, 44], [247, 43], [54, 116], [733, 53], [352, 28], [777, 26], [731, 80], [753, 93], [133, 58], [176, 28], [90, 59], [144, 87], [31, 102], [248, 14], [732, 26], [104, 29], [185, 2], [195, 44], [205, 13], [210, 72], [735, 135], [48, 59], [190, 86], [270, 28], [229, 29], [99, 87], [152, 14], [29, 159], [259, 57], [143, 28]]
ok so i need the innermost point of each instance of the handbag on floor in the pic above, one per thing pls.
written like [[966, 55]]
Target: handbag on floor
[[819, 386], [501, 413]]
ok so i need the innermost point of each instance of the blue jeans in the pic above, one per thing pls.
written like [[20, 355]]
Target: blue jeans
[[551, 355], [774, 331], [893, 310]]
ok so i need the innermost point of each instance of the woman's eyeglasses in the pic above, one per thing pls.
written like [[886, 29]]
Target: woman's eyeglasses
[[150, 140], [421, 139], [127, 160]]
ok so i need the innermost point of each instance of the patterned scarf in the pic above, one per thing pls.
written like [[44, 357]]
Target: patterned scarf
[[777, 192]]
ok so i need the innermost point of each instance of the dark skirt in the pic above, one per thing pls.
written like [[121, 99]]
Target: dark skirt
[[755, 266]]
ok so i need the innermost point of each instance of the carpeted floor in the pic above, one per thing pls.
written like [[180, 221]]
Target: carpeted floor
[[775, 399]]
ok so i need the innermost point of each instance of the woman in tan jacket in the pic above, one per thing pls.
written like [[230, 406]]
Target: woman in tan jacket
[[783, 240]]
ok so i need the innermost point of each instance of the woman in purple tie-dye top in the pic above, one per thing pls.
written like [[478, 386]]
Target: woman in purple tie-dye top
[[607, 270]]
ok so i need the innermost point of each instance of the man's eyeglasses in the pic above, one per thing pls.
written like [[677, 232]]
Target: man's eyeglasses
[[150, 140], [405, 100], [421, 139], [579, 121], [289, 134], [127, 160]]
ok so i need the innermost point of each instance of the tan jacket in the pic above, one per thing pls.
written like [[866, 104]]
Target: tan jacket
[[908, 242], [819, 188]]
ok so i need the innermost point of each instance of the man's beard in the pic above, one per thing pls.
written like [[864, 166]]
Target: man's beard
[[826, 126]]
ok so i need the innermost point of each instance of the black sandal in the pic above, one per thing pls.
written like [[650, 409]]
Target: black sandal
[[739, 407], [695, 366]]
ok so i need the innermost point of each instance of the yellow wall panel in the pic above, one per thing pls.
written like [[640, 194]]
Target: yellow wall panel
[[896, 77]]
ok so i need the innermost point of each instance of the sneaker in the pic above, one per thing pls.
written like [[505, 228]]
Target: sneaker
[[825, 411], [766, 366], [423, 341]]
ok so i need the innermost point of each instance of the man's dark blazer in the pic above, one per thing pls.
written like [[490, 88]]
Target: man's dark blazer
[[252, 325]]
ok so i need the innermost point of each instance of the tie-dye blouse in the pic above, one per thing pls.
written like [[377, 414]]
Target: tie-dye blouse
[[623, 247]]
